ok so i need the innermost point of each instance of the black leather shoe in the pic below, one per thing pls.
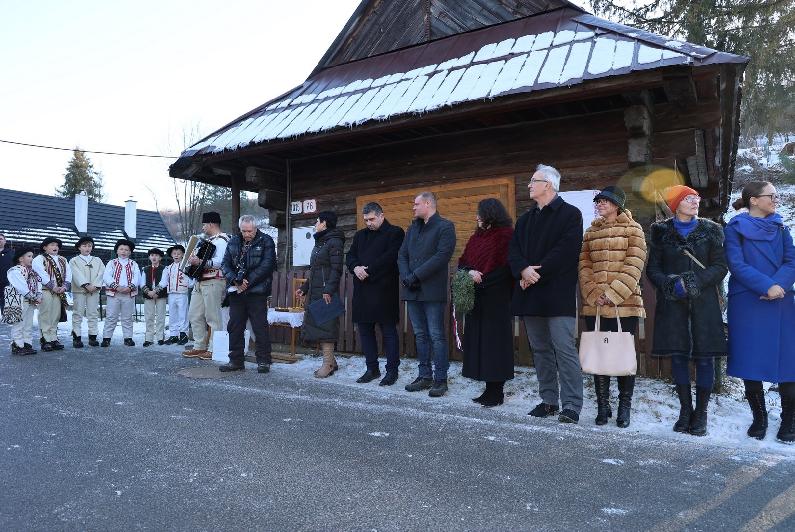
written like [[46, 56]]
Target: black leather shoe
[[147, 344], [129, 342], [161, 342], [171, 340], [183, 339], [262, 367], [569, 416], [56, 345], [232, 367], [30, 350], [106, 342], [438, 389], [368, 376], [389, 379], [77, 342], [92, 340], [47, 347], [544, 410], [419, 384]]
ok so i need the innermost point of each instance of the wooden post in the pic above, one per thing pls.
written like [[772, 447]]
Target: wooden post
[[235, 199]]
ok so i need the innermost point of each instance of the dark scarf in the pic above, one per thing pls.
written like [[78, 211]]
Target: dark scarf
[[487, 250]]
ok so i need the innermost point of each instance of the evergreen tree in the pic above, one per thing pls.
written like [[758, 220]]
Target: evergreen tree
[[80, 175], [760, 29]]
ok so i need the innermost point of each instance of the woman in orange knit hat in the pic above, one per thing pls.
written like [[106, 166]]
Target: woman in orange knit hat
[[687, 265]]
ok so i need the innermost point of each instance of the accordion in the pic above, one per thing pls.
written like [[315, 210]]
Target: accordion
[[201, 248]]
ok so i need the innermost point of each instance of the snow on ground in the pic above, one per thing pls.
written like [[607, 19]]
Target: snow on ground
[[763, 153], [655, 406]]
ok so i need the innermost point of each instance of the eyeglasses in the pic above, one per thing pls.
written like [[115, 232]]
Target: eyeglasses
[[692, 198], [773, 197], [533, 180]]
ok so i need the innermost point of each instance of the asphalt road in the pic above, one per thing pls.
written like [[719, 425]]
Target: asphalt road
[[119, 440]]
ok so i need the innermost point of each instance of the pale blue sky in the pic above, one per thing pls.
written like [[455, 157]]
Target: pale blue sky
[[129, 76]]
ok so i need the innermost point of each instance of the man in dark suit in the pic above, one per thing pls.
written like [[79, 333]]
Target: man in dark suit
[[544, 256], [372, 259], [423, 261]]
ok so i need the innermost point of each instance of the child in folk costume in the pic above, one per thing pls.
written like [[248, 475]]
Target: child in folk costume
[[121, 279], [178, 285], [87, 273], [154, 297], [56, 279], [26, 286]]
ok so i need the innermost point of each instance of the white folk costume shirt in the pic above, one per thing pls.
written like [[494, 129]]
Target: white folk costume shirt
[[121, 272], [45, 268], [25, 281], [213, 266], [175, 280], [86, 270]]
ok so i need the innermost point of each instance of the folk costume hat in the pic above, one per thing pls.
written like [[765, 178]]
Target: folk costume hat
[[674, 195], [172, 248], [612, 194], [211, 218], [19, 252], [156, 251], [83, 240], [123, 242], [49, 240]]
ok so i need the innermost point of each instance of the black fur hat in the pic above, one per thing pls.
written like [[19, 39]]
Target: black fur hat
[[83, 240], [18, 252], [49, 240], [123, 242]]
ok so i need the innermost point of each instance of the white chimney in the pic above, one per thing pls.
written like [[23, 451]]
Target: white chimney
[[130, 217], [81, 213]]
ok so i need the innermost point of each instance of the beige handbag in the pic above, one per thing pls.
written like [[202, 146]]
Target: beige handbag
[[608, 353]]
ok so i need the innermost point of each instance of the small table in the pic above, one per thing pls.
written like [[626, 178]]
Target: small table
[[291, 319]]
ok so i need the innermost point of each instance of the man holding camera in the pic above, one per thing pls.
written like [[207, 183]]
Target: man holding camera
[[423, 261], [248, 266]]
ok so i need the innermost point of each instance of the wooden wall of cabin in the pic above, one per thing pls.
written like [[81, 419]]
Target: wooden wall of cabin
[[590, 151]]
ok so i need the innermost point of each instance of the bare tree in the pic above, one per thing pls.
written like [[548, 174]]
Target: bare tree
[[190, 196]]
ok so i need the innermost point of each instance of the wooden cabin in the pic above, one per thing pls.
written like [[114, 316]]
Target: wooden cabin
[[465, 98]]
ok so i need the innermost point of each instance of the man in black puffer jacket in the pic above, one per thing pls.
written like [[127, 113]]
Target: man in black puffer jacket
[[248, 266]]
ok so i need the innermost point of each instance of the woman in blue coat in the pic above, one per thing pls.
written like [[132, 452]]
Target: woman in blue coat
[[761, 260]]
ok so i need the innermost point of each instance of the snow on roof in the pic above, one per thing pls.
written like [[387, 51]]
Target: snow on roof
[[21, 220], [537, 53]]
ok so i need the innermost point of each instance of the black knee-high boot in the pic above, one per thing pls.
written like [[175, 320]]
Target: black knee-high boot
[[601, 384], [698, 422], [786, 432], [755, 395], [626, 387], [685, 394]]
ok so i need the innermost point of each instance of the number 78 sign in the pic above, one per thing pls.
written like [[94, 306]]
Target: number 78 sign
[[303, 207]]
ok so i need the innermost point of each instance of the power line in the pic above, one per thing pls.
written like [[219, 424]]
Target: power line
[[89, 151]]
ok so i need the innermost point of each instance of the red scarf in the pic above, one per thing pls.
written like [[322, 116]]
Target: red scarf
[[487, 249]]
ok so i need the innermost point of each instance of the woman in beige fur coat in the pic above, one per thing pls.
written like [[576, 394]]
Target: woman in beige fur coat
[[611, 262]]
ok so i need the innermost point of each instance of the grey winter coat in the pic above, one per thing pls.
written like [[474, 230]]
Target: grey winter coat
[[692, 325], [424, 259], [326, 265]]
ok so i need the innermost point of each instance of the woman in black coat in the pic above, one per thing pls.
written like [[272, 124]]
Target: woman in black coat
[[326, 265], [488, 330], [687, 264]]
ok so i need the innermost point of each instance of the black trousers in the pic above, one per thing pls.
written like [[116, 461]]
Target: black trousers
[[242, 308]]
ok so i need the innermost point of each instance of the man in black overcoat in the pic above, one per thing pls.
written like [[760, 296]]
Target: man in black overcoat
[[372, 259], [544, 256]]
